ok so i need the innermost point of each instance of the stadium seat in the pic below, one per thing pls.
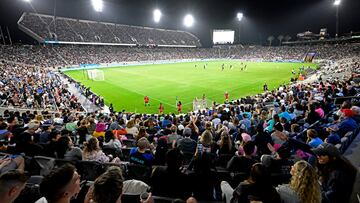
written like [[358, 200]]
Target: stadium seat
[[138, 172], [129, 143], [46, 164], [89, 170]]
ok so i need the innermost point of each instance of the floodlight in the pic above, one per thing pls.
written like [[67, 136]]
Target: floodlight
[[337, 2], [157, 15], [188, 20], [26, 0], [97, 4], [239, 16]]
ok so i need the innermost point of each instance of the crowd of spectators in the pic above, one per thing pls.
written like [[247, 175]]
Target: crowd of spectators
[[74, 30], [60, 55], [273, 147], [30, 87]]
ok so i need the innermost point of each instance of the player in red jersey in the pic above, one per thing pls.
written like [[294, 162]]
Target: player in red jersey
[[161, 108], [146, 101], [179, 107], [226, 96]]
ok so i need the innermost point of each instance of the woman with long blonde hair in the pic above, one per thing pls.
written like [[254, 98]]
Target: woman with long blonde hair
[[303, 187]]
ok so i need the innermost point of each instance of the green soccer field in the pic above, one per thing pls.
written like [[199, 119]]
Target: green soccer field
[[125, 87]]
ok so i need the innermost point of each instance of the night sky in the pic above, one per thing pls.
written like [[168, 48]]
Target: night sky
[[261, 17]]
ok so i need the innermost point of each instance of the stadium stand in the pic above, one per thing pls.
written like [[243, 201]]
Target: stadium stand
[[49, 138], [48, 28]]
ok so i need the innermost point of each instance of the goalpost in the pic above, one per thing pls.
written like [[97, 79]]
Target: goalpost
[[96, 75], [201, 104]]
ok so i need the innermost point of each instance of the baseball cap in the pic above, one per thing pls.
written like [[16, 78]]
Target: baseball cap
[[327, 149]]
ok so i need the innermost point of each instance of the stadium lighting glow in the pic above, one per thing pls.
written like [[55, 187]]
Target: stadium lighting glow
[[157, 15], [337, 2], [97, 4], [188, 20], [26, 0], [239, 16]]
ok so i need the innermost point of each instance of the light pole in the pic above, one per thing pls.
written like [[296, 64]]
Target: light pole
[[239, 17], [337, 4]]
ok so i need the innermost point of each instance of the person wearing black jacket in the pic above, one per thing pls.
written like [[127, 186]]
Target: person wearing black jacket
[[337, 174]]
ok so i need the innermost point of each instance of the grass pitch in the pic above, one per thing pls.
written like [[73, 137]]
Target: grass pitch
[[125, 87]]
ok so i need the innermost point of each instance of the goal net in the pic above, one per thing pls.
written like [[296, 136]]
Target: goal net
[[96, 75], [200, 104]]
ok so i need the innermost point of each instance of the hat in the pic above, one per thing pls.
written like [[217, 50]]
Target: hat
[[327, 149], [181, 127], [333, 139]]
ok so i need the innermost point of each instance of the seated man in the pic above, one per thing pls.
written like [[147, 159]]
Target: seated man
[[61, 185], [11, 185], [243, 163], [139, 156], [169, 180]]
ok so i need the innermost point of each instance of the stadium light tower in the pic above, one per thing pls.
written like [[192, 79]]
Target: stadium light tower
[[97, 5], [337, 4], [157, 15], [239, 17], [188, 20]]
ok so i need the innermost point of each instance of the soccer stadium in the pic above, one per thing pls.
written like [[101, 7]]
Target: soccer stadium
[[154, 101]]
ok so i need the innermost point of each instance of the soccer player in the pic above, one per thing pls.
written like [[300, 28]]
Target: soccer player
[[222, 67], [226, 96], [230, 66], [179, 107], [161, 108], [265, 87], [146, 101]]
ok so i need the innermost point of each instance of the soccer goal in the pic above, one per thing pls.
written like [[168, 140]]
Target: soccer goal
[[96, 75], [200, 104]]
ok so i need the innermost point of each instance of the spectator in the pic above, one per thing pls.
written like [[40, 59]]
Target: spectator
[[111, 141], [139, 155], [66, 150], [11, 185], [92, 151], [186, 144], [304, 186], [243, 163], [170, 180], [312, 138], [61, 185], [256, 188], [336, 173]]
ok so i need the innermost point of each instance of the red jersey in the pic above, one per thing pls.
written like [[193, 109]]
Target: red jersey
[[161, 108], [226, 95], [179, 107], [146, 99]]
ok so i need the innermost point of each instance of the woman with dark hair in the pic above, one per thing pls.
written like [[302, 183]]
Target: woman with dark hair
[[111, 141], [256, 188], [92, 151], [66, 150], [336, 174]]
